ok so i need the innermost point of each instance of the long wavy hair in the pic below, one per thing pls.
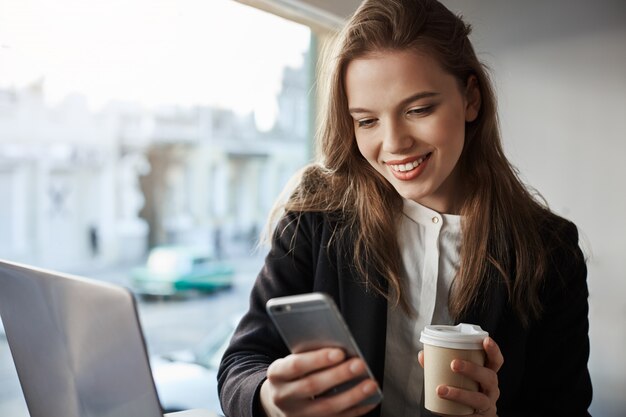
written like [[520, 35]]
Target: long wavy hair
[[501, 219]]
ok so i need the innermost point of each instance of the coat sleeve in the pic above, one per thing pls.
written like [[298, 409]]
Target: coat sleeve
[[557, 381], [288, 269]]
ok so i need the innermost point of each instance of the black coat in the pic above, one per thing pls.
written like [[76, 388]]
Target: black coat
[[545, 364]]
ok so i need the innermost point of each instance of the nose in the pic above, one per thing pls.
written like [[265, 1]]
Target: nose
[[398, 137]]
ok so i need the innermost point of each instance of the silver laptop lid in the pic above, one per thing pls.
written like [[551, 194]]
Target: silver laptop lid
[[77, 345]]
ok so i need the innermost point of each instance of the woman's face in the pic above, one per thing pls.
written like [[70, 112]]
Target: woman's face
[[409, 122]]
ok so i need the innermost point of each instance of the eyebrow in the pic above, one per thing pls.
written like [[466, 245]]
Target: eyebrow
[[410, 99]]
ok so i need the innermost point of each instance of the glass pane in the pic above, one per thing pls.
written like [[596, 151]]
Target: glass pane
[[161, 129]]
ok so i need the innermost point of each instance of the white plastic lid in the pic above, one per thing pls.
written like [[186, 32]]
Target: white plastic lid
[[461, 336]]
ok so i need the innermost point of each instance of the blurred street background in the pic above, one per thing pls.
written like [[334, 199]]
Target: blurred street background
[[144, 143]]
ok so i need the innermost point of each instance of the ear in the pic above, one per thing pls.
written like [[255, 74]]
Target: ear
[[472, 99]]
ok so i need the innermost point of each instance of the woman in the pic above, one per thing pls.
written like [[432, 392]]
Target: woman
[[413, 216]]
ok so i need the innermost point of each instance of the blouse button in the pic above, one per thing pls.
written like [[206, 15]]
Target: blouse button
[[435, 219]]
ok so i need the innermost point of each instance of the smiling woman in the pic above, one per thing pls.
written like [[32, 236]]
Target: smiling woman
[[412, 117], [414, 216]]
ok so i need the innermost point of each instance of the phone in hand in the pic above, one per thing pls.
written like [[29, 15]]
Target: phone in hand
[[312, 321]]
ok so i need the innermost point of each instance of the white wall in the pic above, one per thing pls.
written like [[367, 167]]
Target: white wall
[[560, 73]]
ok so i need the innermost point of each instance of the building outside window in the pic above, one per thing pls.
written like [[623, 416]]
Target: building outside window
[[129, 126]]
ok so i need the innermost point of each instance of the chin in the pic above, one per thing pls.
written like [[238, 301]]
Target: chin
[[411, 195]]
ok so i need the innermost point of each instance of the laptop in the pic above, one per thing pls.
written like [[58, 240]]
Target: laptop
[[77, 345]]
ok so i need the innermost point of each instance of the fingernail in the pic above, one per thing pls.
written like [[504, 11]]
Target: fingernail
[[335, 355], [457, 365], [369, 388], [442, 390], [356, 367]]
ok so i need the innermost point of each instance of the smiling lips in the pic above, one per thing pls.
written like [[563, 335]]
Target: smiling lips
[[408, 169]]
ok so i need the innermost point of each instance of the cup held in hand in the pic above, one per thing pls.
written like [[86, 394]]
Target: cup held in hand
[[442, 345]]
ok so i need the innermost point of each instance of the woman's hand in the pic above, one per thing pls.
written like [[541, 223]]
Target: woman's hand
[[483, 401], [294, 382]]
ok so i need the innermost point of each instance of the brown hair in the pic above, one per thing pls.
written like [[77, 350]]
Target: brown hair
[[501, 219]]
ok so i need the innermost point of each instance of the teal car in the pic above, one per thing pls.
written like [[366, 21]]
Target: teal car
[[171, 270]]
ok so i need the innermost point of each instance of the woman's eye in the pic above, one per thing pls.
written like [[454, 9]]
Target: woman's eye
[[421, 110], [366, 122]]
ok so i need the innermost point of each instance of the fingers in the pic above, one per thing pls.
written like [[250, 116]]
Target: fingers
[[319, 382], [297, 365], [486, 376], [495, 360], [294, 384], [346, 403], [476, 400], [420, 358]]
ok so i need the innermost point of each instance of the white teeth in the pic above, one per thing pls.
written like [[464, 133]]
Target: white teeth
[[407, 167]]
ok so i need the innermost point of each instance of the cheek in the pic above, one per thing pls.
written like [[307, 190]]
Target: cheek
[[366, 148], [447, 131]]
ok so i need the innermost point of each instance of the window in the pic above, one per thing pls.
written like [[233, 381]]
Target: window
[[127, 126]]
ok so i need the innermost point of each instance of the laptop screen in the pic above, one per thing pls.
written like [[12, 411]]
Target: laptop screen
[[77, 345]]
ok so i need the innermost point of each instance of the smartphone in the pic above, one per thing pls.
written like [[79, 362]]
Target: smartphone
[[313, 321]]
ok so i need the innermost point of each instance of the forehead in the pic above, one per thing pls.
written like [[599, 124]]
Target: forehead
[[382, 74]]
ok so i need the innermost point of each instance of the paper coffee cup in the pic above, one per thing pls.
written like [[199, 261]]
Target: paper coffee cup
[[443, 344]]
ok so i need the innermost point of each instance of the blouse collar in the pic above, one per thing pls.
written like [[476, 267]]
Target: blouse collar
[[428, 217]]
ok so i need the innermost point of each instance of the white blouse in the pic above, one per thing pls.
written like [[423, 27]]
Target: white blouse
[[430, 247]]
